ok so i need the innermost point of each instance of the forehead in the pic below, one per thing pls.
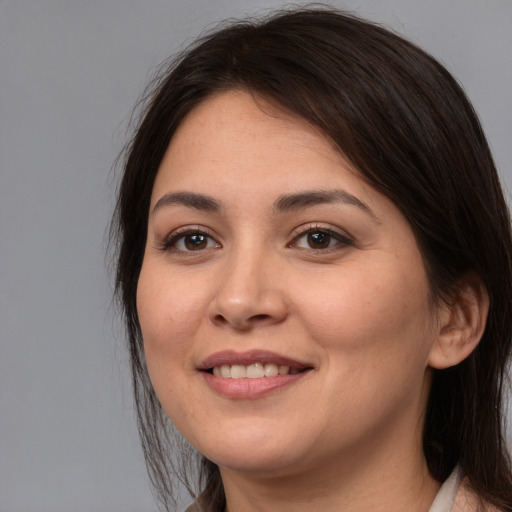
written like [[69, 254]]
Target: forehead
[[237, 114], [235, 135]]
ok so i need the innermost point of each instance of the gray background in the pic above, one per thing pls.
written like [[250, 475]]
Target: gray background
[[70, 73]]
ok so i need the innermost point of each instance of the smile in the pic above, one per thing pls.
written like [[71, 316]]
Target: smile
[[252, 374], [253, 371]]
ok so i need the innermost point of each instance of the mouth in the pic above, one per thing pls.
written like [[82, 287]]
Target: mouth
[[256, 370], [251, 374]]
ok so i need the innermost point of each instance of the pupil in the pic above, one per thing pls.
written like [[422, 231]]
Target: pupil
[[193, 242], [319, 240]]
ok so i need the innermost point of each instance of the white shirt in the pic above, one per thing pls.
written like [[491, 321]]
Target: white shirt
[[446, 496]]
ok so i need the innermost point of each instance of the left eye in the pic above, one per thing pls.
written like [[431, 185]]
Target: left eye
[[195, 242], [319, 239]]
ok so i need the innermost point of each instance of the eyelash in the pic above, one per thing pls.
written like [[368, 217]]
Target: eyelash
[[170, 244], [341, 240]]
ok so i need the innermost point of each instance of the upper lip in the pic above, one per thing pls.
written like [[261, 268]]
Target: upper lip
[[231, 357]]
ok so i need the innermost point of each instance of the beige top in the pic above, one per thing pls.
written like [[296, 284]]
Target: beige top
[[454, 496], [447, 495]]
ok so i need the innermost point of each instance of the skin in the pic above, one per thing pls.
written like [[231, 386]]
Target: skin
[[347, 434]]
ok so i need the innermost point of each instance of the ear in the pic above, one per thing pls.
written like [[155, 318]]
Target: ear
[[461, 323]]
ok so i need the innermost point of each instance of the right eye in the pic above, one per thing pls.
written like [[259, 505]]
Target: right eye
[[189, 240]]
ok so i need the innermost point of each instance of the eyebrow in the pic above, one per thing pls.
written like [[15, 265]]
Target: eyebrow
[[190, 200], [293, 202], [283, 204]]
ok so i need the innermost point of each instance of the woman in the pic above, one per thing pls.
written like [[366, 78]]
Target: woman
[[315, 274]]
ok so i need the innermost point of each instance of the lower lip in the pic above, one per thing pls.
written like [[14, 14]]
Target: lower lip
[[250, 388]]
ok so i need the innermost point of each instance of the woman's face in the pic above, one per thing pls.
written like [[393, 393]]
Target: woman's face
[[268, 255]]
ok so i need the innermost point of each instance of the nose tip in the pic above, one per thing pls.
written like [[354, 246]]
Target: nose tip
[[246, 299], [241, 317]]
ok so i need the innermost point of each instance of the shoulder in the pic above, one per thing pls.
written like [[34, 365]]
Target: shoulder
[[468, 501]]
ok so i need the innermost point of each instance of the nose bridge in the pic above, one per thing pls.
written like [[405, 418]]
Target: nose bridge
[[248, 291]]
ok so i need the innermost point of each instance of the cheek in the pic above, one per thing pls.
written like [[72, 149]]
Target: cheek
[[375, 335], [168, 319], [367, 311]]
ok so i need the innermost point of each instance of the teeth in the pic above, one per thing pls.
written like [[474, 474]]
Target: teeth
[[255, 371], [238, 371], [271, 370], [284, 370], [252, 371]]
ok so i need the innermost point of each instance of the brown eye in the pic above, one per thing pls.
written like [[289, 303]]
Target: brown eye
[[195, 242], [319, 240], [189, 241]]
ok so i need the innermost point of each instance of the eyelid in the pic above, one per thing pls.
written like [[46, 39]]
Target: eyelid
[[168, 243], [342, 237]]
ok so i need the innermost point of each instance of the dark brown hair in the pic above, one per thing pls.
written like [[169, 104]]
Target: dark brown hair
[[407, 126]]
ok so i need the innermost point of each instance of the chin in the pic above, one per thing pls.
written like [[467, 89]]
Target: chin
[[252, 450], [255, 462]]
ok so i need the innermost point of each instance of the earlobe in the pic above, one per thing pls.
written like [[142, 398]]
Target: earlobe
[[461, 323]]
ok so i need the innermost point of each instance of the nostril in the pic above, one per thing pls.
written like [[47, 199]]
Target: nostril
[[259, 318], [244, 313], [219, 319], [242, 323]]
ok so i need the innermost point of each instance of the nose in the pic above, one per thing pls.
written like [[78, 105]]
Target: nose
[[248, 294]]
